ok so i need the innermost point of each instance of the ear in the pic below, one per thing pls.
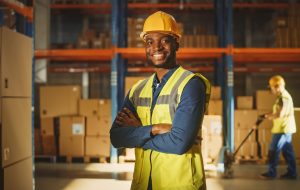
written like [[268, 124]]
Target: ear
[[176, 45]]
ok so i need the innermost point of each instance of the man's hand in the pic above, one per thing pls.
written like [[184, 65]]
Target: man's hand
[[126, 118], [158, 129]]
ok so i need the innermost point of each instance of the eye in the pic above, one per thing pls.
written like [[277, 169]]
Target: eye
[[149, 42], [165, 40]]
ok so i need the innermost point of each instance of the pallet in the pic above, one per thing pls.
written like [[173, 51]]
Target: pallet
[[83, 159], [124, 159], [96, 159], [45, 158]]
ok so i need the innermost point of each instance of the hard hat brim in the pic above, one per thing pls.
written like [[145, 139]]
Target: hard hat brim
[[176, 36]]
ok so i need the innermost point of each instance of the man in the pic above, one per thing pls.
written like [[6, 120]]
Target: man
[[283, 127], [162, 115]]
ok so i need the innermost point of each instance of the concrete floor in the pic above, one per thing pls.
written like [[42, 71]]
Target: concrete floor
[[118, 177]]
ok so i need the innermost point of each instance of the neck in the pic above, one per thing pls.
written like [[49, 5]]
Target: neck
[[160, 72]]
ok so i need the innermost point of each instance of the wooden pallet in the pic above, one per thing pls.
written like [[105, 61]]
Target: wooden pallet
[[95, 159], [124, 159], [45, 158]]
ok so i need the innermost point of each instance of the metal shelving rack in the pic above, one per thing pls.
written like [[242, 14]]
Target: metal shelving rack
[[223, 57]]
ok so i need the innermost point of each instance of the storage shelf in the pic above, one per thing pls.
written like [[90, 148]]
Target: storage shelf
[[190, 6], [19, 8], [75, 54], [240, 55], [198, 69]]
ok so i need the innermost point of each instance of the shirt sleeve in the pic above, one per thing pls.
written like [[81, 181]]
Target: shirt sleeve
[[129, 137], [187, 121]]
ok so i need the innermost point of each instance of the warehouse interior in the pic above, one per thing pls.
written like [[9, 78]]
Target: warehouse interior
[[66, 66]]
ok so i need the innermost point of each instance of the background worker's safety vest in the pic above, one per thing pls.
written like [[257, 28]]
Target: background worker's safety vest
[[168, 171], [286, 123]]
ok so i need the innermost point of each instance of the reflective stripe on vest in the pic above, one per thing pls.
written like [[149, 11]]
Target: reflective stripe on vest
[[187, 173]]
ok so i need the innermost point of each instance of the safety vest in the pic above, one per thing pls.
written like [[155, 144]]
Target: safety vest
[[168, 171], [286, 123]]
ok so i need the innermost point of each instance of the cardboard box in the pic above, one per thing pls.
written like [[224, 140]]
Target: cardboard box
[[49, 146], [215, 107], [212, 124], [105, 108], [18, 176], [296, 136], [71, 145], [71, 126], [130, 153], [215, 93], [264, 100], [47, 126], [245, 118], [58, 101], [264, 134], [130, 81], [15, 64], [98, 126], [89, 107], [266, 123], [16, 134], [241, 133], [95, 107], [97, 146], [215, 143], [248, 150], [244, 102]]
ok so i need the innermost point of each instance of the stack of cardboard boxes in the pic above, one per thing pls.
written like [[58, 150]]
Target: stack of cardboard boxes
[[98, 123], [56, 101], [212, 130], [264, 103], [244, 120], [71, 126], [15, 111]]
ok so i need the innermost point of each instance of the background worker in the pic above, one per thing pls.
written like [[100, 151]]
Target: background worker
[[161, 115], [284, 126]]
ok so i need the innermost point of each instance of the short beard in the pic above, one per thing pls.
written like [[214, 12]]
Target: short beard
[[168, 64]]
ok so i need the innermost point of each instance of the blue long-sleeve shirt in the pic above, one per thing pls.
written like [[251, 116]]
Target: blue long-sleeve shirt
[[185, 124]]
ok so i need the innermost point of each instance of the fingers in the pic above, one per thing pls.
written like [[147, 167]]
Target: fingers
[[129, 113]]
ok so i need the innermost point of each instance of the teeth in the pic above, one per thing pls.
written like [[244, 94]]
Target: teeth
[[158, 56]]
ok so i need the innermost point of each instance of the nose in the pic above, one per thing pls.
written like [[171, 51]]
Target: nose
[[157, 46]]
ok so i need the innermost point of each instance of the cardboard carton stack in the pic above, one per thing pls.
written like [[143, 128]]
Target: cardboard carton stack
[[97, 113], [264, 103], [296, 136], [212, 138], [71, 126], [245, 118], [15, 110], [212, 129], [215, 106], [56, 101], [244, 121]]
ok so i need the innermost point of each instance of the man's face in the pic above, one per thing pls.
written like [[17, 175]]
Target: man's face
[[161, 50]]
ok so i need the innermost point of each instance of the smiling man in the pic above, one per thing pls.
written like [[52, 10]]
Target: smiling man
[[162, 115]]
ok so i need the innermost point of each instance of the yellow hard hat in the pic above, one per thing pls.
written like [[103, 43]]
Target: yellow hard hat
[[161, 22], [276, 80]]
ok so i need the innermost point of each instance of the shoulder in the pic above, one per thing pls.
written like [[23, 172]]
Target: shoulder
[[195, 88]]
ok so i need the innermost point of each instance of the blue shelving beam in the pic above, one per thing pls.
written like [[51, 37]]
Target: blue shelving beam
[[229, 82], [223, 75], [118, 64]]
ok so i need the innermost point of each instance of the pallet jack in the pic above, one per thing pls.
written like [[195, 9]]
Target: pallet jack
[[229, 157]]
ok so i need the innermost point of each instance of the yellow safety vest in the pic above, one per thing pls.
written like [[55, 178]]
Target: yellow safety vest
[[168, 171], [286, 123]]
